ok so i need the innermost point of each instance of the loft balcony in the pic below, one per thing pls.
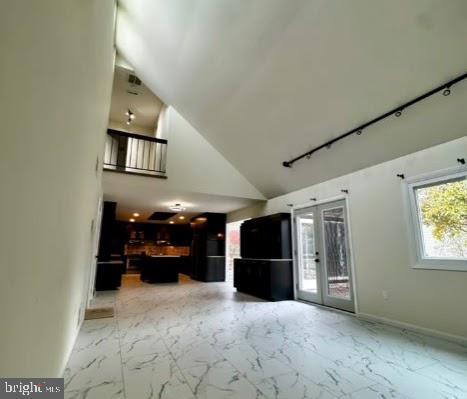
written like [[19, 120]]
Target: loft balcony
[[135, 154]]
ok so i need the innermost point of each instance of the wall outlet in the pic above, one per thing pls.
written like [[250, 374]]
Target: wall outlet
[[385, 295]]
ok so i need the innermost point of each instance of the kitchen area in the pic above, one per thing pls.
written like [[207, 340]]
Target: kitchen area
[[160, 247]]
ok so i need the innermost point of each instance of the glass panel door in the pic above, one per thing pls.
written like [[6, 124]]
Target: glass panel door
[[337, 281], [322, 255], [308, 283]]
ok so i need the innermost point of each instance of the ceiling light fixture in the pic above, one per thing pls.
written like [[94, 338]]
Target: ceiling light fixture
[[177, 208], [132, 220], [136, 214], [181, 217], [171, 222], [130, 115]]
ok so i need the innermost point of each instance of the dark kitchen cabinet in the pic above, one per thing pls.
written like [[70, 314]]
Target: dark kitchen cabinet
[[265, 269], [268, 279], [208, 247], [106, 242], [267, 237], [109, 275]]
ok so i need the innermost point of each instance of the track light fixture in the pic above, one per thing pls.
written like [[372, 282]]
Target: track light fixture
[[445, 89], [130, 116]]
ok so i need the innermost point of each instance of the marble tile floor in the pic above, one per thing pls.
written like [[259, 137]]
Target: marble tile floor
[[206, 341]]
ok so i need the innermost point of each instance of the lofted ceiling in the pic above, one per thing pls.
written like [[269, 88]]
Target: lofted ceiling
[[265, 80]]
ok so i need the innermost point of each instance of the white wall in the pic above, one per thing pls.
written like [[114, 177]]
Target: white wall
[[195, 165], [133, 128], [162, 128], [429, 299], [55, 78]]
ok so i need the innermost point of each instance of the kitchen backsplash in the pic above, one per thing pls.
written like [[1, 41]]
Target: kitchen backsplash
[[153, 249]]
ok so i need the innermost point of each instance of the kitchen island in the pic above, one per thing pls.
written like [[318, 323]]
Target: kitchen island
[[161, 268]]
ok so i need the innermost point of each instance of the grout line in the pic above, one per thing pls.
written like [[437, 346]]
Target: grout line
[[242, 373], [120, 346], [176, 365]]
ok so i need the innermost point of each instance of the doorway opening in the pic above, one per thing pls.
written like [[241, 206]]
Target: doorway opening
[[323, 261], [232, 247]]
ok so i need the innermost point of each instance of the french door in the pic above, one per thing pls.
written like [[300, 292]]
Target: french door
[[322, 255]]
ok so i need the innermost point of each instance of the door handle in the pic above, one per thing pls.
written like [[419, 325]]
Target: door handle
[[317, 260]]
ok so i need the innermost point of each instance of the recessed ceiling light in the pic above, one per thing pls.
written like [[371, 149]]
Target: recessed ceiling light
[[181, 217], [136, 214], [132, 220], [171, 222]]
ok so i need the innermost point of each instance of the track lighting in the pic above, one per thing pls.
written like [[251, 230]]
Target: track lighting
[[444, 88], [130, 115]]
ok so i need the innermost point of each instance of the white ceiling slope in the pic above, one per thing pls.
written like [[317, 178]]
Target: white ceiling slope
[[265, 80]]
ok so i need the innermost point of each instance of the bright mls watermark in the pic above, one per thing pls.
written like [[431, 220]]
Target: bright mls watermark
[[12, 388]]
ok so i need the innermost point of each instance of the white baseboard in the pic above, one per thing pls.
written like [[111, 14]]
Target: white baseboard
[[70, 348], [412, 327]]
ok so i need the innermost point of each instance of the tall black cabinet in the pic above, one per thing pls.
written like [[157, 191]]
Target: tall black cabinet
[[109, 271], [265, 269], [208, 247], [109, 215]]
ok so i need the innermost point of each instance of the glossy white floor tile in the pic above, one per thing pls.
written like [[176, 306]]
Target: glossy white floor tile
[[205, 340]]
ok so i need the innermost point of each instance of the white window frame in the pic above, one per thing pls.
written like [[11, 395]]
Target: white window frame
[[419, 260]]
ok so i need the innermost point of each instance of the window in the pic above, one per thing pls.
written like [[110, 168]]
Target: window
[[438, 223]]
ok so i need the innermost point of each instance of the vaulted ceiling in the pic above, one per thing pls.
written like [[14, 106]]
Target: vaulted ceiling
[[265, 80]]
